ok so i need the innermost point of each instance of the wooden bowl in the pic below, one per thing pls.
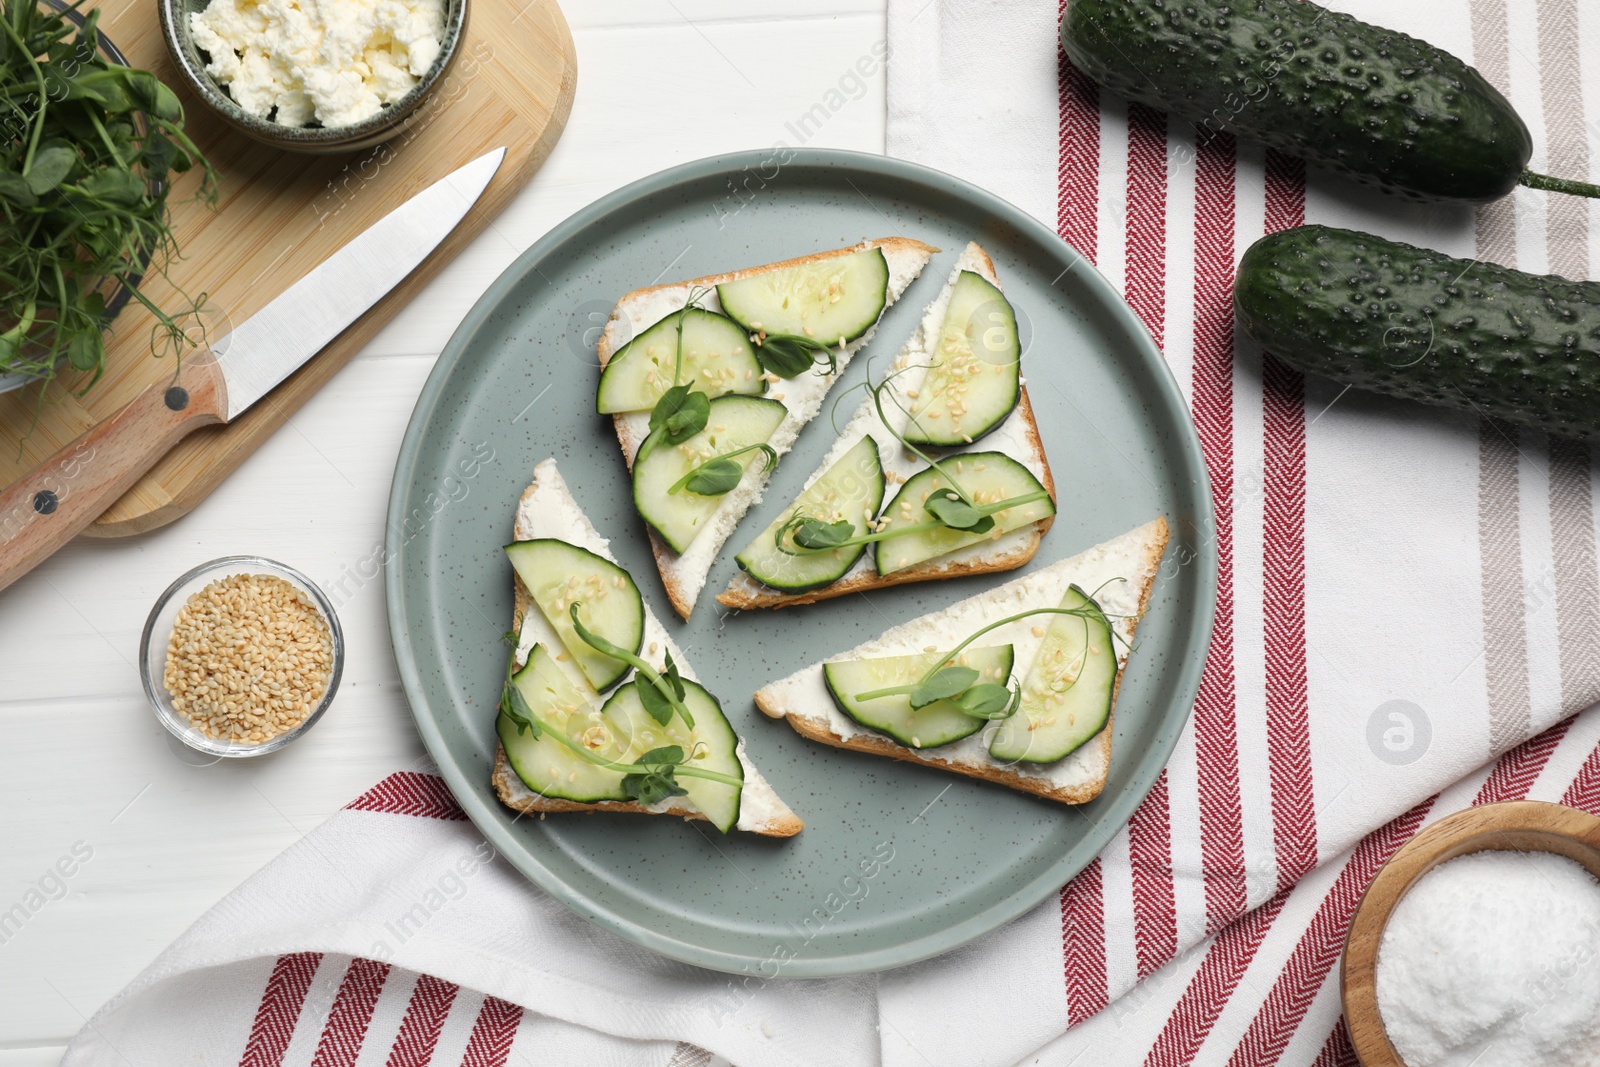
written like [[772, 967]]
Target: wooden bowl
[[1514, 826]]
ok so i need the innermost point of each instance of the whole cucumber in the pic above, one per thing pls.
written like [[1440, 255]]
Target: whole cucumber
[[1411, 322], [1380, 106]]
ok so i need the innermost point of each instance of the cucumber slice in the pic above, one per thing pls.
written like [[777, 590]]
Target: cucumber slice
[[718, 358], [832, 300], [974, 382], [850, 489], [712, 745], [558, 574], [937, 724], [621, 731], [547, 766], [1066, 697], [734, 422], [989, 477]]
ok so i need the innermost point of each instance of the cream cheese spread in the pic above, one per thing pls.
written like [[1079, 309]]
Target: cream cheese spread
[[802, 395], [899, 464], [1115, 572], [550, 511]]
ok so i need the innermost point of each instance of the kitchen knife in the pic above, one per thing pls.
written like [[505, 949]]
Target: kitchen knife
[[49, 505]]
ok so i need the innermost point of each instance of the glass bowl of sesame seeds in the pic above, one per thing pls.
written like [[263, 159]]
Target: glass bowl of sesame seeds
[[241, 656]]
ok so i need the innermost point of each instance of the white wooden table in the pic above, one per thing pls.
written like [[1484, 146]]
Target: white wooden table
[[84, 766]]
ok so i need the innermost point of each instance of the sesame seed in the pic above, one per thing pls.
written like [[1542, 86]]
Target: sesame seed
[[249, 658]]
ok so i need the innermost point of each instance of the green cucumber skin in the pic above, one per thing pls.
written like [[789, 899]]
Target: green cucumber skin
[[1410, 322], [1377, 105]]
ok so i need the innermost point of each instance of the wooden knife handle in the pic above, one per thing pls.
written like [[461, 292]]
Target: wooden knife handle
[[49, 505]]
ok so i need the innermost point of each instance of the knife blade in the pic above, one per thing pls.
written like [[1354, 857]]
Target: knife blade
[[51, 504]]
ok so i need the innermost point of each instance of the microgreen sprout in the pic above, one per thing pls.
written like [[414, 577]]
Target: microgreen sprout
[[717, 476], [663, 696], [789, 355], [962, 686], [649, 779], [681, 412], [951, 506], [90, 150]]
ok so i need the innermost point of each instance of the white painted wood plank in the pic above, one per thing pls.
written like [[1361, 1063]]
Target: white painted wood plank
[[653, 91], [47, 1056], [704, 13], [649, 99]]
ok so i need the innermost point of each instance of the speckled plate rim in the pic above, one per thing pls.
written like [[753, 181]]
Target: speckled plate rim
[[483, 809]]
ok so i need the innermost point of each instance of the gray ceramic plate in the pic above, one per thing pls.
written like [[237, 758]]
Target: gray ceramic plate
[[518, 379]]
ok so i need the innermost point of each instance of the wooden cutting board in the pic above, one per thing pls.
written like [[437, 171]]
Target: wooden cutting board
[[279, 215]]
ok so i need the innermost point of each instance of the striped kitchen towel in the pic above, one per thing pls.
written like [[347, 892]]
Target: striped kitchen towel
[[392, 936], [1404, 593]]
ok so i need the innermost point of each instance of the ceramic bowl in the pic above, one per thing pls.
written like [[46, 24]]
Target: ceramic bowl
[[1515, 826], [158, 629], [388, 123]]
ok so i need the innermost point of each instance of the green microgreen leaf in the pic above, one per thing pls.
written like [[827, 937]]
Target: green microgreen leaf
[[50, 168], [943, 684], [514, 706], [15, 189], [674, 679], [718, 476], [672, 691], [680, 414], [790, 355], [961, 686], [671, 755], [988, 700], [957, 514], [655, 703], [658, 780], [816, 534], [652, 786]]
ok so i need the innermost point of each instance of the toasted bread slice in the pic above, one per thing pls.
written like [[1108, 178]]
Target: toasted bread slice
[[1017, 436], [547, 509], [684, 575], [1123, 570]]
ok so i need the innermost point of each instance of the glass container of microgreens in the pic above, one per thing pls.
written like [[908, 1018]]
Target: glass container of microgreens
[[114, 292], [241, 656]]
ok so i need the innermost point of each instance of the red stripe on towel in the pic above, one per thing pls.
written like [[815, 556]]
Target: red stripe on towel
[[1155, 915], [1078, 159], [407, 793], [1212, 985], [1318, 949], [1283, 403], [1155, 909], [492, 1034], [346, 1028], [425, 1015], [280, 1009], [1516, 771], [1584, 792], [1221, 830], [1083, 943]]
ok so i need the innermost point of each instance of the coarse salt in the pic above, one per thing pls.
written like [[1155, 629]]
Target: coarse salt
[[1493, 960]]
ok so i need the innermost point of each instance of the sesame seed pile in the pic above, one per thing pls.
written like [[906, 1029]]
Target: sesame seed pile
[[249, 657]]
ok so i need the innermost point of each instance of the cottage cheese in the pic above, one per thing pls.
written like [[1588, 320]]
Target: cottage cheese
[[336, 62]]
